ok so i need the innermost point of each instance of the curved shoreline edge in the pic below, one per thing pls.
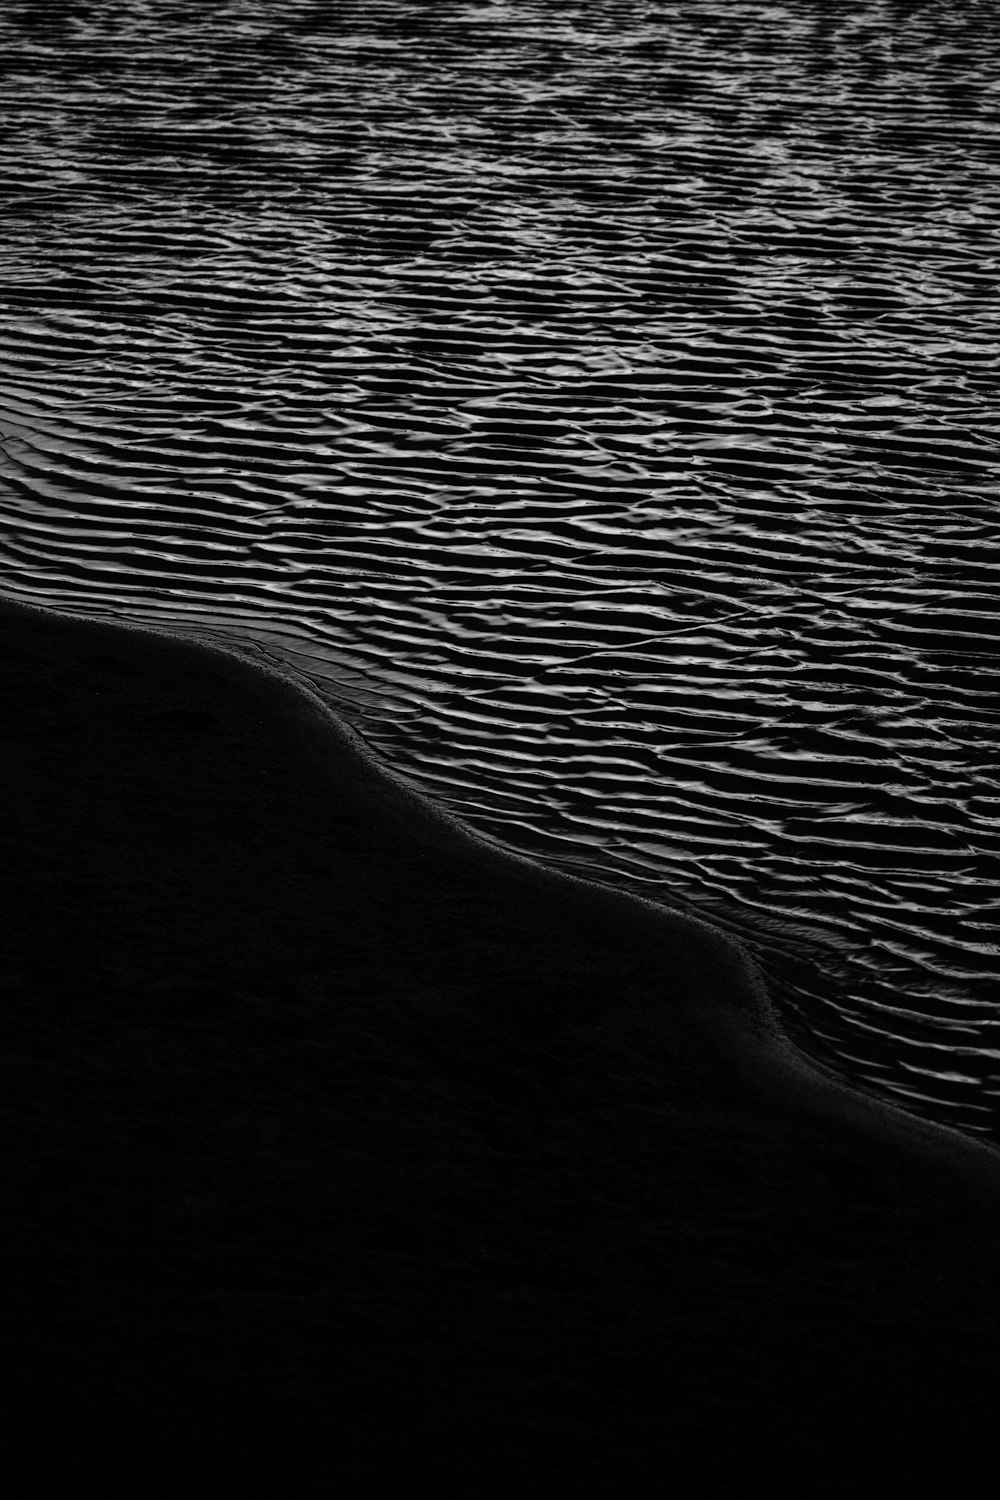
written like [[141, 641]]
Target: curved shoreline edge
[[728, 1003]]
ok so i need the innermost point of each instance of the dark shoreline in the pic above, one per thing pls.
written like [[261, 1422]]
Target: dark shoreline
[[318, 1102]]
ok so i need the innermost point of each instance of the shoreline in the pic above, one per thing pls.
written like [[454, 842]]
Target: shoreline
[[316, 1102], [729, 1002]]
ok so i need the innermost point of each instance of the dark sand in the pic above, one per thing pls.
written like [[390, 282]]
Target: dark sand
[[345, 1153]]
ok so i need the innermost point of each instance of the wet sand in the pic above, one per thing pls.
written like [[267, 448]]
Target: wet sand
[[343, 1146]]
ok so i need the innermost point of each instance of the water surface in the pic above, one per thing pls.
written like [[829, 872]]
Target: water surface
[[596, 401]]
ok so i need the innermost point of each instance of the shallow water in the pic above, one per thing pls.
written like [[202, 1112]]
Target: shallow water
[[597, 402]]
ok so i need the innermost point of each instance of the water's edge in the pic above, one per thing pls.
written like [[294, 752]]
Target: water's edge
[[727, 998]]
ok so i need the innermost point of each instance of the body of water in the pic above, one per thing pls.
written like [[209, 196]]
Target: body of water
[[597, 402]]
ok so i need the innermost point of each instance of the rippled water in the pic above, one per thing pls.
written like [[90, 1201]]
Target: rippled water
[[598, 401]]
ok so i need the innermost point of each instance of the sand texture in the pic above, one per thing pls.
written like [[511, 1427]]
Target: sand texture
[[343, 1148]]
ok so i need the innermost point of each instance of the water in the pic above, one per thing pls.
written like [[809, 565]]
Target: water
[[596, 401]]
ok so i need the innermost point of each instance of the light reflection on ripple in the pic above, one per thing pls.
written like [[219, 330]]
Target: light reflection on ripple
[[599, 405]]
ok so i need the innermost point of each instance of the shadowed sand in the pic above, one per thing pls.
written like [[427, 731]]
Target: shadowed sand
[[342, 1141]]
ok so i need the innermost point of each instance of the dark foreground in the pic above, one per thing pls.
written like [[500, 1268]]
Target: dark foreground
[[331, 1166]]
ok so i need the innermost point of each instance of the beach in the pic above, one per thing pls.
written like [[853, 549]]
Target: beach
[[342, 1145]]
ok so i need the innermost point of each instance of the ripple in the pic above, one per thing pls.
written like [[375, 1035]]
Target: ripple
[[598, 407]]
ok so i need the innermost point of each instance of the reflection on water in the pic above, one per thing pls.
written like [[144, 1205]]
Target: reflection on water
[[598, 402]]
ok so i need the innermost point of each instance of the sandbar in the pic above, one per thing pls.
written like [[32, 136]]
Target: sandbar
[[345, 1141]]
